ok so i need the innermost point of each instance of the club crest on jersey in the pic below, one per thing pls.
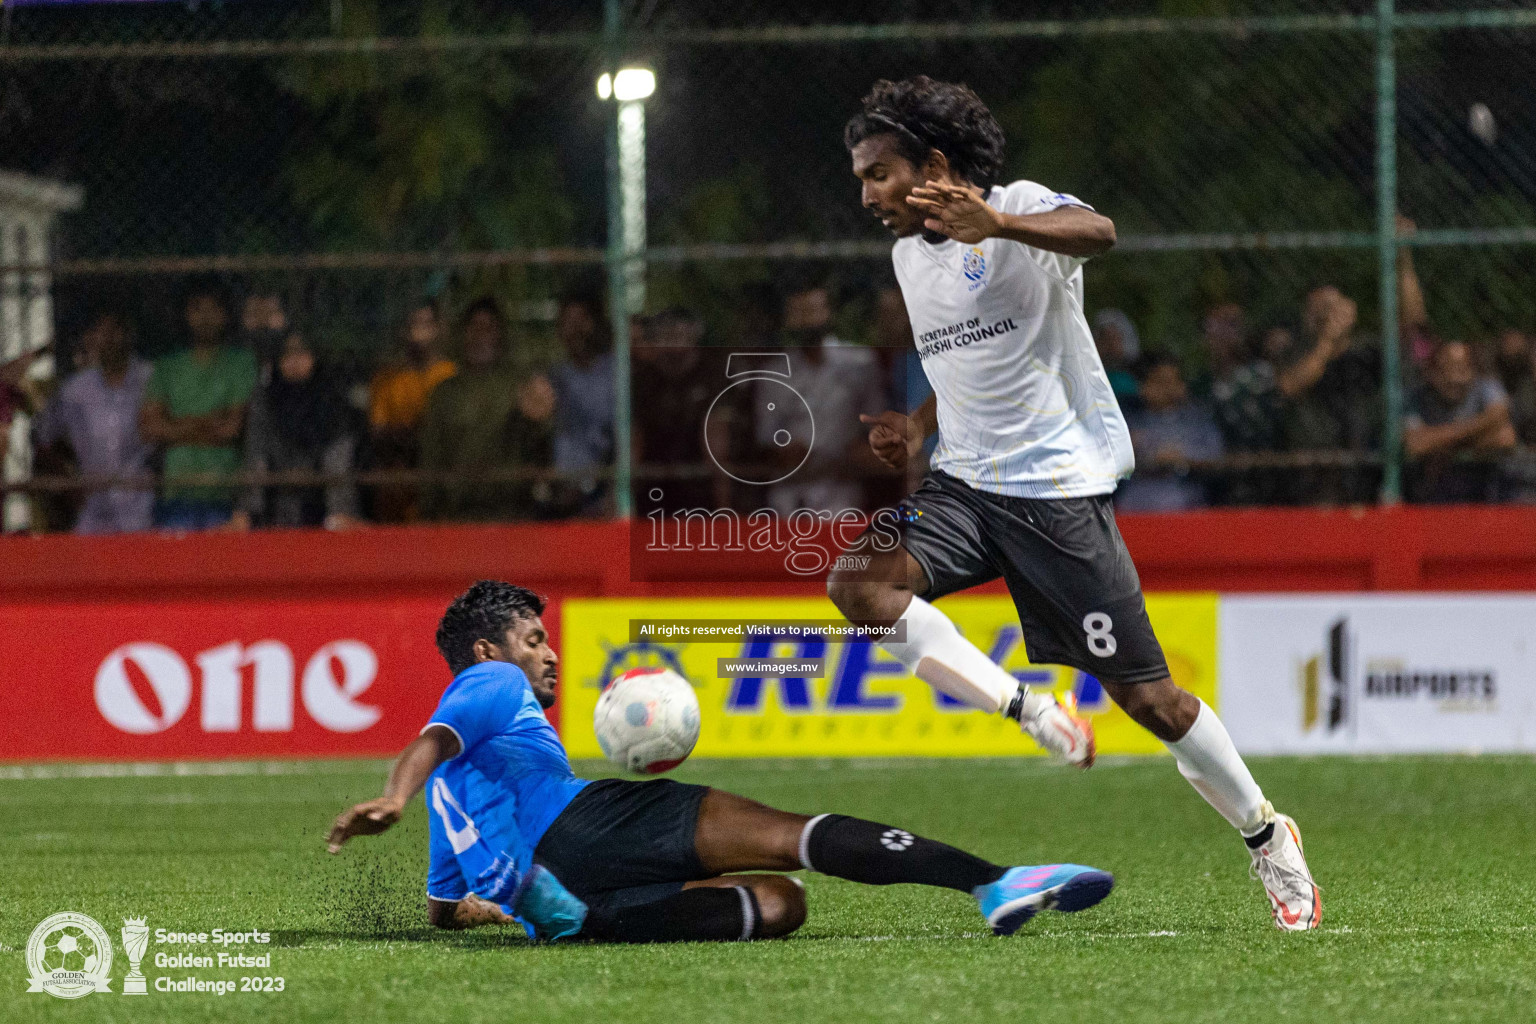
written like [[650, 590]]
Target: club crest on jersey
[[974, 266]]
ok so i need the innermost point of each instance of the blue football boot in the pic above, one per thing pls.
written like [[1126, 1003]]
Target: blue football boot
[[549, 907], [535, 897], [1023, 892]]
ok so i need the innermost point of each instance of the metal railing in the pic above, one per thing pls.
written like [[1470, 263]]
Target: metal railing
[[1239, 462]]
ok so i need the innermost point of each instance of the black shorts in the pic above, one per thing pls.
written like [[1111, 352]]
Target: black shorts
[[621, 843], [1072, 580]]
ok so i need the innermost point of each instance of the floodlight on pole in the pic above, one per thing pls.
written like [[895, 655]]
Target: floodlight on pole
[[625, 194], [630, 87]]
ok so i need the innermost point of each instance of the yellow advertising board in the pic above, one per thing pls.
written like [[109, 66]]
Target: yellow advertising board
[[864, 704]]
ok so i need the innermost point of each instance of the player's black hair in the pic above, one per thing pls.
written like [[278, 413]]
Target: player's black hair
[[924, 115], [483, 612]]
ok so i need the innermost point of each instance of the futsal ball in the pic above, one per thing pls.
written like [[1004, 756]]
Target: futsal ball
[[647, 720]]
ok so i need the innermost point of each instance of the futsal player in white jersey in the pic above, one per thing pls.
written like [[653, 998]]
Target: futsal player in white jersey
[[1031, 444]]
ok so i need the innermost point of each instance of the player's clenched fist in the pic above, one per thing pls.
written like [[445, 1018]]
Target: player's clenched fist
[[365, 819], [894, 438]]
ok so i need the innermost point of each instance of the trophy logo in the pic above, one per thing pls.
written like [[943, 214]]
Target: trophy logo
[[69, 956], [135, 938]]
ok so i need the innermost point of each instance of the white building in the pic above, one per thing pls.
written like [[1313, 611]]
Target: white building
[[28, 207]]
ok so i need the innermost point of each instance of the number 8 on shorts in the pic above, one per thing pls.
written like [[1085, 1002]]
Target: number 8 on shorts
[[1097, 626]]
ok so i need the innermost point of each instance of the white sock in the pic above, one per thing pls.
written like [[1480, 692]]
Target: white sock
[[1210, 762], [937, 654]]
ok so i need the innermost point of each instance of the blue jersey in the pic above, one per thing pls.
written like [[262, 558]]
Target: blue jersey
[[505, 737]]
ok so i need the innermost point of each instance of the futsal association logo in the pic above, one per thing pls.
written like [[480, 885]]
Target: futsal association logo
[[69, 956], [974, 266]]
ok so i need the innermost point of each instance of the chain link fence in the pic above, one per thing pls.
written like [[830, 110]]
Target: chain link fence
[[354, 156]]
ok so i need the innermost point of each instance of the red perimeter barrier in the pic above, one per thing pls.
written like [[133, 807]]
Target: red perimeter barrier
[[300, 643], [1467, 547]]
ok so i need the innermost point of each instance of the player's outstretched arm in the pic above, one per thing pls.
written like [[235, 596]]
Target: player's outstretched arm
[[961, 213], [412, 768]]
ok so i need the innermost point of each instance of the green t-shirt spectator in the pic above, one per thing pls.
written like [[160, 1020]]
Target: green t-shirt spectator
[[188, 386]]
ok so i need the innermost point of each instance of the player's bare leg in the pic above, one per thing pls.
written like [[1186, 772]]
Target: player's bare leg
[[888, 590], [737, 834], [1206, 757]]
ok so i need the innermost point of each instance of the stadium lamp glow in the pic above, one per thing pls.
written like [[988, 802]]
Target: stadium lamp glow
[[628, 85]]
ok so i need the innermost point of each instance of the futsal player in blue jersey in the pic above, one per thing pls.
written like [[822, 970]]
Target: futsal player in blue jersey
[[514, 832]]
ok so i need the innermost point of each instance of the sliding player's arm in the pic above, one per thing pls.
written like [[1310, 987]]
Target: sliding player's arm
[[962, 214], [469, 912], [412, 768]]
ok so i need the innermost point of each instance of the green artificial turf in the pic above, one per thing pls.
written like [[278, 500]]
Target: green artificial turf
[[1426, 867]]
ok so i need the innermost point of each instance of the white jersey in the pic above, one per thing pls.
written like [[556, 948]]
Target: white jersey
[[1024, 405]]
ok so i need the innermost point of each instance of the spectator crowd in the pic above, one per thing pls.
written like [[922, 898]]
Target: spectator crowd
[[249, 424], [1291, 412]]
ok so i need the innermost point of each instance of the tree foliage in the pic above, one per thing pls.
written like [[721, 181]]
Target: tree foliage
[[412, 150]]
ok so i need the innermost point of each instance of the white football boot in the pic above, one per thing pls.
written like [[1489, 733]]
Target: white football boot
[[1282, 866], [1051, 720]]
